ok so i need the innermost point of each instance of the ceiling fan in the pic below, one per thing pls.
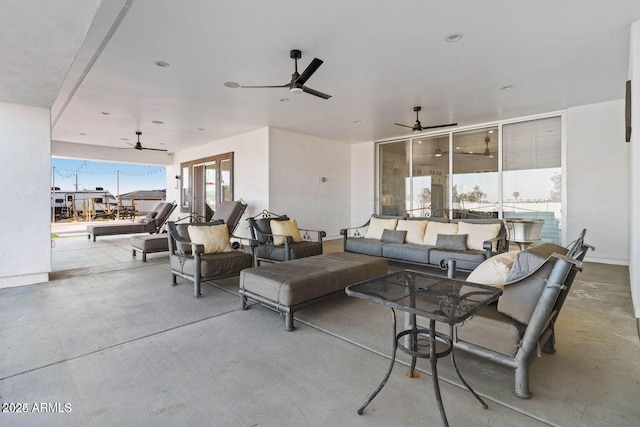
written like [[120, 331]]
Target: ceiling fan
[[138, 145], [486, 153], [417, 126], [296, 85]]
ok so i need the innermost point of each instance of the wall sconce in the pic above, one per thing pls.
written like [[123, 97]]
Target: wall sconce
[[177, 182]]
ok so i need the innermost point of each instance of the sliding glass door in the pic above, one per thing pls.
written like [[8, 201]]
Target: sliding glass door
[[510, 170], [206, 183]]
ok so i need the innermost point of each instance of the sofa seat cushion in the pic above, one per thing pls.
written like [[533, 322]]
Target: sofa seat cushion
[[407, 252], [465, 260], [296, 250], [492, 330], [364, 246], [214, 265]]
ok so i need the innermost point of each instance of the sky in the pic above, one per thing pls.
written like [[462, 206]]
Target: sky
[[92, 174]]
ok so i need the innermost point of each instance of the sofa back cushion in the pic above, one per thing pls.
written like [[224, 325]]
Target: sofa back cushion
[[477, 234], [434, 228], [526, 281], [415, 230], [378, 225]]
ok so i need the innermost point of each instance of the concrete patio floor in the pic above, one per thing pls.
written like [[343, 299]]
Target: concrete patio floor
[[108, 341]]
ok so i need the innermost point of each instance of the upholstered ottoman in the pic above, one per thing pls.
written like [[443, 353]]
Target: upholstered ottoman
[[292, 285], [149, 244]]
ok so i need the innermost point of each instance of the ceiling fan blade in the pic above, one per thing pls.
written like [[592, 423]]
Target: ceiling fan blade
[[153, 149], [438, 126], [308, 72], [315, 92], [264, 87], [404, 126]]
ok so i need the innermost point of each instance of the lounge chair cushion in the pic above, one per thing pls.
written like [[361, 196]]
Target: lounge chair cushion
[[281, 229], [492, 330], [494, 271], [296, 250], [214, 238], [519, 300]]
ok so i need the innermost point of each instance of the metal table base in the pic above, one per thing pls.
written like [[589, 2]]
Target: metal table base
[[433, 355]]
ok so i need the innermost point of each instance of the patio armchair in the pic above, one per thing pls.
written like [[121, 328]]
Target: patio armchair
[[203, 251], [280, 239], [514, 330]]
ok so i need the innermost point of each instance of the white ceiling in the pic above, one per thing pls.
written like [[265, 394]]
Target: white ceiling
[[381, 59]]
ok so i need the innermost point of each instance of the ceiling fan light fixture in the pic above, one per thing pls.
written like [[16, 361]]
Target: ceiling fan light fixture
[[295, 90], [438, 152]]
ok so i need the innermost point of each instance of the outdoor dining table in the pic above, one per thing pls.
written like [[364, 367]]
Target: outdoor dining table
[[439, 299]]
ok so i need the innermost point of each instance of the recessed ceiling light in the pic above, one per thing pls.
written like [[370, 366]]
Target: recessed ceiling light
[[82, 133], [158, 122], [452, 38], [162, 143], [507, 87], [490, 131], [105, 113], [162, 64], [200, 128], [357, 122], [457, 148], [284, 99], [124, 139], [232, 85]]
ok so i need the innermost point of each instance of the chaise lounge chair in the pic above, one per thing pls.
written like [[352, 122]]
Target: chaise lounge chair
[[152, 223]]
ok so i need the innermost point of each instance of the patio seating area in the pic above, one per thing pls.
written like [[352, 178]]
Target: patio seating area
[[111, 339]]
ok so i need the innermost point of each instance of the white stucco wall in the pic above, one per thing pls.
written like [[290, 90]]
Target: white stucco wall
[[362, 182], [251, 171], [25, 165], [598, 180], [634, 169], [297, 164]]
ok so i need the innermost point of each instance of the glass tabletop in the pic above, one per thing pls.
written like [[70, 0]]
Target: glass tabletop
[[438, 298]]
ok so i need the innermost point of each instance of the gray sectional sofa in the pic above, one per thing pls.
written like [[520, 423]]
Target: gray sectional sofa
[[428, 241]]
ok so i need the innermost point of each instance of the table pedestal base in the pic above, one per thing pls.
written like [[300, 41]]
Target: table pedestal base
[[432, 355]]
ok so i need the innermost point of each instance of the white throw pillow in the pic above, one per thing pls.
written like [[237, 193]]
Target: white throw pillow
[[215, 238], [281, 229], [477, 234], [493, 271], [378, 225], [434, 228], [415, 230]]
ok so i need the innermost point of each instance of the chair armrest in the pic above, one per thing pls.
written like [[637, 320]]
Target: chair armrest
[[500, 244], [245, 240], [320, 234]]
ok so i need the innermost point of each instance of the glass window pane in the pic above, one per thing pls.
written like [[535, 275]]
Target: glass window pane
[[475, 174], [210, 187], [394, 169], [430, 176], [532, 173], [225, 178]]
